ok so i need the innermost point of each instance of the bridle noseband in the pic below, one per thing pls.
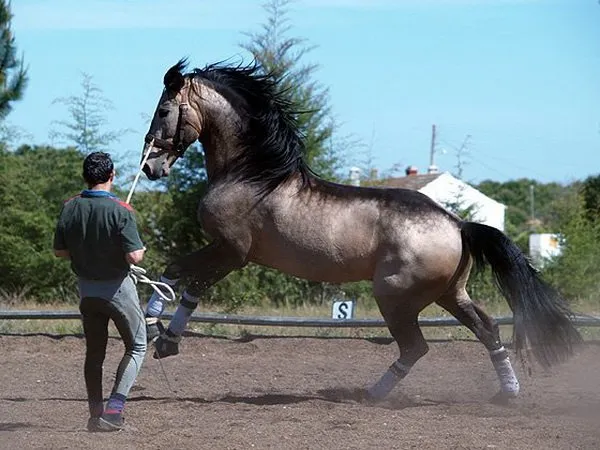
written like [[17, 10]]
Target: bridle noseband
[[177, 145]]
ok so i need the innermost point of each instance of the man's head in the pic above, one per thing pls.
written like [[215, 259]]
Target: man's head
[[98, 168]]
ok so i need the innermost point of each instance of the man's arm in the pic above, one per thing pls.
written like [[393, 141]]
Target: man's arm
[[60, 244], [132, 244]]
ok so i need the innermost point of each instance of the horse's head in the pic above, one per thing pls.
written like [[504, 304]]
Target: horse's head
[[175, 125]]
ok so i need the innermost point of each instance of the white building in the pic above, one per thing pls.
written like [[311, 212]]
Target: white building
[[544, 247], [451, 193]]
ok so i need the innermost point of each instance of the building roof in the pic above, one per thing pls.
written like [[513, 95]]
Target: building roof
[[413, 182]]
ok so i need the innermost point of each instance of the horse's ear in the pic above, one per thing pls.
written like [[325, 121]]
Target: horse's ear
[[174, 77]]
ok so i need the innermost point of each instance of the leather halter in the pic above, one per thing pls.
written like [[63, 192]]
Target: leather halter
[[176, 145]]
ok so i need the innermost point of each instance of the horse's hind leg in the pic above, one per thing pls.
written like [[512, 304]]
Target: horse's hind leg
[[486, 329], [402, 320]]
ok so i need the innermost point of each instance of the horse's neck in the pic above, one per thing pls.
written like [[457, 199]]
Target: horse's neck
[[220, 122]]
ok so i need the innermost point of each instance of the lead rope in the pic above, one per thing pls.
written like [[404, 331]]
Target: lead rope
[[139, 274], [147, 148]]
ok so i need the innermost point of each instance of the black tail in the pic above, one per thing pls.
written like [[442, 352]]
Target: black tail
[[540, 314]]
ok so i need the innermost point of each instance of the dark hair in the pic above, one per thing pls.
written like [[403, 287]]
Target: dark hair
[[97, 168], [273, 140]]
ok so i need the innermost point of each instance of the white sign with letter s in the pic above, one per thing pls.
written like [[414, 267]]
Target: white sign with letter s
[[343, 309]]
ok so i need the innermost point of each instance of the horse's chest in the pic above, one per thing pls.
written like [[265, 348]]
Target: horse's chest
[[222, 213]]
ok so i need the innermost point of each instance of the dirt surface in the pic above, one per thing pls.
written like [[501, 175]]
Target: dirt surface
[[292, 393]]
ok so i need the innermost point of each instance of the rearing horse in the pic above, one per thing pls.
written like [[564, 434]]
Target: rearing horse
[[265, 205]]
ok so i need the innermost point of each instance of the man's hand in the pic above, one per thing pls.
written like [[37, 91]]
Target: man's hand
[[62, 254], [135, 257]]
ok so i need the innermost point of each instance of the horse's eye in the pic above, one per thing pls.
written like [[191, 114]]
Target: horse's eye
[[162, 113]]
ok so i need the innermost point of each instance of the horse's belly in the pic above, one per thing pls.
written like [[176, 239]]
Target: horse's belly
[[324, 264]]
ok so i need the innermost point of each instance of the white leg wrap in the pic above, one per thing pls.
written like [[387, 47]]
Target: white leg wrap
[[156, 304], [388, 381], [183, 313], [509, 384]]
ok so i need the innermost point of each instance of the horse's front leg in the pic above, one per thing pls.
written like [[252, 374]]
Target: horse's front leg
[[201, 269]]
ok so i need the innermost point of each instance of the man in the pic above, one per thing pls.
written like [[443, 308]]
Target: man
[[98, 234]]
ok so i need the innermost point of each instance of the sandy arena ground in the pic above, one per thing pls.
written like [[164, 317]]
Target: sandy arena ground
[[296, 393]]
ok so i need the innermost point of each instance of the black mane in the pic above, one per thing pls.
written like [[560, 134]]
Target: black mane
[[274, 145]]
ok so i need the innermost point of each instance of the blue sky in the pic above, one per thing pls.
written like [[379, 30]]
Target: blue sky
[[521, 77]]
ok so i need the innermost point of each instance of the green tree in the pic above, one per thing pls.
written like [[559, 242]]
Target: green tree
[[13, 75], [283, 56], [85, 127], [590, 190], [530, 206], [577, 269], [36, 181]]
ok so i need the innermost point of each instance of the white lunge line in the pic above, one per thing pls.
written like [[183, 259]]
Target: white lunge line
[[147, 148], [138, 273]]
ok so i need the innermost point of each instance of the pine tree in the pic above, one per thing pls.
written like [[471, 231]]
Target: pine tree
[[282, 56], [85, 127], [13, 75]]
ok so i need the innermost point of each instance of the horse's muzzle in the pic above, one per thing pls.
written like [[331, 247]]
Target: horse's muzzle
[[149, 173]]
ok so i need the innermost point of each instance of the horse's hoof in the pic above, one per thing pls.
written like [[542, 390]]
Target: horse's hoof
[[371, 397], [503, 398]]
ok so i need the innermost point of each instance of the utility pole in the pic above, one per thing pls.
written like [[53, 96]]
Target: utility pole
[[532, 203], [432, 149]]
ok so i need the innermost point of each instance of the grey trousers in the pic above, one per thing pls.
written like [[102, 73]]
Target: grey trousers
[[115, 300]]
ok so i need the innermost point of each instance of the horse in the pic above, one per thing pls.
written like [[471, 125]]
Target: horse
[[265, 205]]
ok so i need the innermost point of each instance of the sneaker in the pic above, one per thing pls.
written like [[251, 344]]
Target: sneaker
[[110, 422], [167, 344], [154, 328]]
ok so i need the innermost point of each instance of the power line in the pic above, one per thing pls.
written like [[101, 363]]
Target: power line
[[513, 165], [493, 169]]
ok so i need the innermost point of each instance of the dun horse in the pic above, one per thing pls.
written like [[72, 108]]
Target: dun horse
[[265, 205]]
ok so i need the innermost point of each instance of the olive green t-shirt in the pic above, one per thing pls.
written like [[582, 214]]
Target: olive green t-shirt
[[98, 230]]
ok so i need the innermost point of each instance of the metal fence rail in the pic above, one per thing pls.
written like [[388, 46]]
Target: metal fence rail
[[582, 321]]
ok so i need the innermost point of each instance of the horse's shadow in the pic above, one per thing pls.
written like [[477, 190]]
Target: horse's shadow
[[333, 395], [16, 426], [339, 395]]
